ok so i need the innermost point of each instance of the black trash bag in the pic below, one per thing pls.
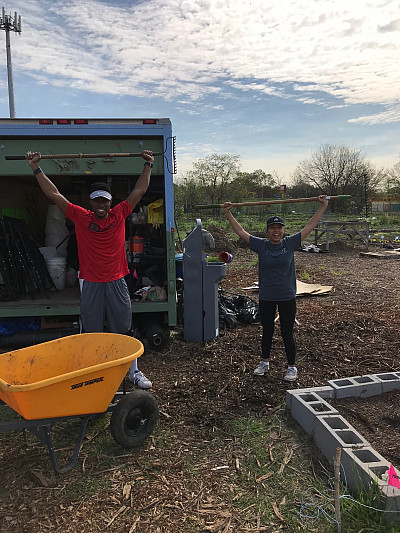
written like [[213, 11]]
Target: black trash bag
[[227, 319], [249, 315], [236, 308], [240, 301]]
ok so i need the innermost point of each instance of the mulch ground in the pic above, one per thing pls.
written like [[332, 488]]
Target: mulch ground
[[352, 330], [377, 419]]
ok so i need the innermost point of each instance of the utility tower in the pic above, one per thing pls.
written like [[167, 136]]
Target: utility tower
[[10, 23]]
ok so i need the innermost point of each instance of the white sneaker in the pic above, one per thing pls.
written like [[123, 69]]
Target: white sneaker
[[139, 379], [291, 374], [262, 368]]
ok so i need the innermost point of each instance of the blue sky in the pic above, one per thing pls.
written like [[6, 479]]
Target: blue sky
[[270, 81]]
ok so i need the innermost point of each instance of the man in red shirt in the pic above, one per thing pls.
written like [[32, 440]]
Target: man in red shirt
[[100, 235]]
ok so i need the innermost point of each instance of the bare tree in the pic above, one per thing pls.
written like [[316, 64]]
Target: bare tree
[[393, 178], [339, 170]]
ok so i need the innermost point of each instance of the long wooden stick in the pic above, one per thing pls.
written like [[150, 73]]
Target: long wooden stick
[[337, 487], [75, 156], [268, 202]]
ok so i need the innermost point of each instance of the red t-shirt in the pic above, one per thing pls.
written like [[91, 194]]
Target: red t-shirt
[[101, 243]]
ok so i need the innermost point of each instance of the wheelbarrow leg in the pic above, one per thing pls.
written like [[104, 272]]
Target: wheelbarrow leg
[[43, 434]]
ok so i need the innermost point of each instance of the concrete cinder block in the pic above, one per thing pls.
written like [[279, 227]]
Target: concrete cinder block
[[363, 467], [361, 464], [306, 408], [323, 392], [331, 432], [390, 381], [288, 399], [356, 387], [392, 503]]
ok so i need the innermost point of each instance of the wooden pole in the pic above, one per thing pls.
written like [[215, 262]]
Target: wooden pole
[[269, 202], [337, 487], [76, 156]]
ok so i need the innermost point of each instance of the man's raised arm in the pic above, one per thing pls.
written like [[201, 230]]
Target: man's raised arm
[[47, 186], [143, 182]]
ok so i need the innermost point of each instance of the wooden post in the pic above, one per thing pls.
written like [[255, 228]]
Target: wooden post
[[337, 487]]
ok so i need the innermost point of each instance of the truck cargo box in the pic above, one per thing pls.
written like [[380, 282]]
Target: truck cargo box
[[26, 216]]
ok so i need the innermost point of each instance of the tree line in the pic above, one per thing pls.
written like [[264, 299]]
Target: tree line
[[332, 170]]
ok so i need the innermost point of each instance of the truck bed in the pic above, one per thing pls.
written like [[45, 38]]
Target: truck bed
[[65, 302]]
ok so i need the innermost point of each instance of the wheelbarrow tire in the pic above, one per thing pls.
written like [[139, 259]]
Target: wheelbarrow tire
[[134, 418]]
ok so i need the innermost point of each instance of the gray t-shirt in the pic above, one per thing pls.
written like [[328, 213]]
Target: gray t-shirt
[[276, 270]]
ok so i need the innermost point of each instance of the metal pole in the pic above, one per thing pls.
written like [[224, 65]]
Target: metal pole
[[8, 23], [9, 72], [366, 193]]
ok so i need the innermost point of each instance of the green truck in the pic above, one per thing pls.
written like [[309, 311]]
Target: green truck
[[86, 150]]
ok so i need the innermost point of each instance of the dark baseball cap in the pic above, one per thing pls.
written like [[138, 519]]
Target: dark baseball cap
[[275, 220]]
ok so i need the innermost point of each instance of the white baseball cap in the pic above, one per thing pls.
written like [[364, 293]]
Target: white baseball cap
[[100, 194]]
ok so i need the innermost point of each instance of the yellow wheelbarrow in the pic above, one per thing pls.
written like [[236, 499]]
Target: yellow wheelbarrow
[[76, 376]]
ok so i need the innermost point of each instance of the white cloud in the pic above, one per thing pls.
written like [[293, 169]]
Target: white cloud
[[393, 25], [182, 50], [391, 115]]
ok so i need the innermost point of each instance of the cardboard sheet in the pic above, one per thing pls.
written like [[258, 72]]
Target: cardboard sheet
[[303, 289], [312, 289], [382, 254]]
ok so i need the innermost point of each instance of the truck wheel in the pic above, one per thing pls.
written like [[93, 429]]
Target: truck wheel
[[156, 338], [134, 418]]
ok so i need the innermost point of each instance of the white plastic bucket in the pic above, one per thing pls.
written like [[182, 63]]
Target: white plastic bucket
[[57, 269], [56, 230]]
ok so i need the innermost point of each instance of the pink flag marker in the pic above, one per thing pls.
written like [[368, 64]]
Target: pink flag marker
[[394, 478]]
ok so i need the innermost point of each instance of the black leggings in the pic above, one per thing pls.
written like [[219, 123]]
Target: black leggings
[[287, 314]]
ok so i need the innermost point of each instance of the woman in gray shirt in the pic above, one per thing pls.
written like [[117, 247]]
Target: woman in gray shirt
[[277, 281]]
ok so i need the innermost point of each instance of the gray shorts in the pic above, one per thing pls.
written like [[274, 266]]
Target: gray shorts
[[106, 304]]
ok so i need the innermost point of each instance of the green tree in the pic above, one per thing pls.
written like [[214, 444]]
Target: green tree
[[187, 193], [302, 189], [214, 174], [249, 186]]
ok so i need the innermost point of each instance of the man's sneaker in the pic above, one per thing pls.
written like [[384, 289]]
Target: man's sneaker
[[291, 374], [261, 369], [139, 379]]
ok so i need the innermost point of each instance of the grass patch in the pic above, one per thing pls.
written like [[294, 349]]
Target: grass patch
[[255, 220], [86, 487], [213, 259], [305, 276], [366, 513], [248, 264], [274, 462]]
